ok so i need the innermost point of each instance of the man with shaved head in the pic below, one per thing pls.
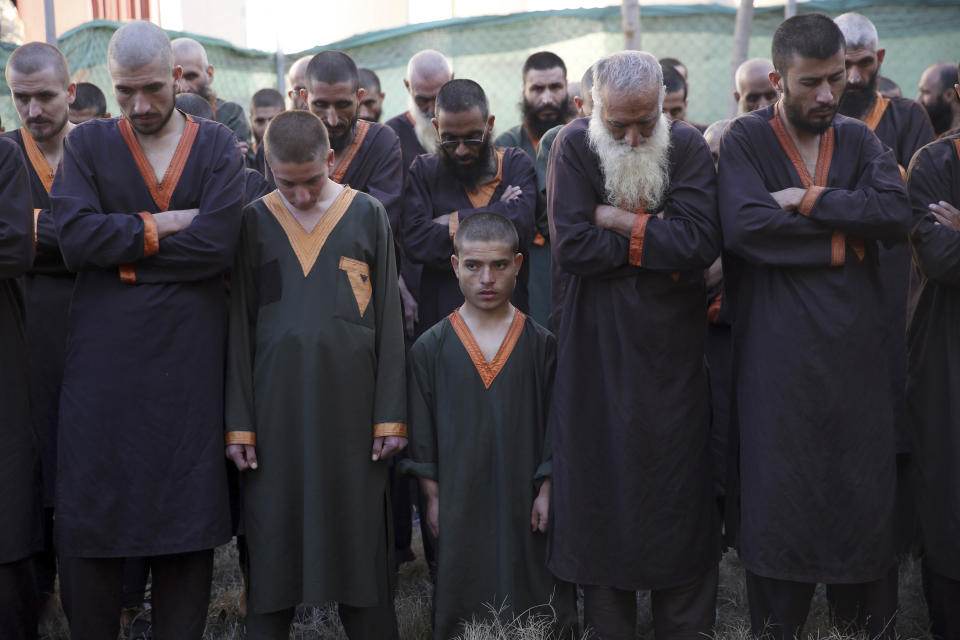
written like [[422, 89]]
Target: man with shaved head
[[147, 211], [198, 78], [265, 104], [631, 198], [371, 107], [89, 104], [39, 80], [903, 127], [297, 83], [427, 71], [937, 96], [753, 87]]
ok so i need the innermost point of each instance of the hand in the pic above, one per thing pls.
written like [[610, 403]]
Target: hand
[[511, 193], [614, 219], [443, 220], [244, 147], [713, 274], [946, 214], [411, 310], [243, 455], [540, 514], [789, 199], [386, 446], [171, 222]]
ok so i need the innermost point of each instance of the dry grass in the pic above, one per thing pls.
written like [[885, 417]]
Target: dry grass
[[415, 593]]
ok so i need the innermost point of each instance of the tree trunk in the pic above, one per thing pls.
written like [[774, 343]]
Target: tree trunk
[[630, 15], [741, 44], [790, 9]]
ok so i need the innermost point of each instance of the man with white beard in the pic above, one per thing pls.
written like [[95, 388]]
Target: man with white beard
[[632, 206]]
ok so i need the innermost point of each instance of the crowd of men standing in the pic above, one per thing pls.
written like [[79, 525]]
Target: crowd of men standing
[[751, 340]]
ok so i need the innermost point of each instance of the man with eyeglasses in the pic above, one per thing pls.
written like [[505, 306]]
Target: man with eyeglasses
[[467, 175]]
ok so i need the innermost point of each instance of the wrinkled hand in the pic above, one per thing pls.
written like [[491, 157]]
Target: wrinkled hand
[[243, 455], [789, 199], [411, 310], [540, 514], [171, 222], [946, 214], [386, 446], [244, 147], [511, 193]]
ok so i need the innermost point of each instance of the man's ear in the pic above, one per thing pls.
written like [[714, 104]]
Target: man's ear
[[406, 84], [518, 261], [436, 125], [736, 97], [455, 263], [360, 93], [210, 72], [490, 123], [880, 54], [177, 74], [71, 92], [776, 80], [331, 160]]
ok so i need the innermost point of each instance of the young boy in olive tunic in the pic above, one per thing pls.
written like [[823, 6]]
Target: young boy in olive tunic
[[315, 390], [480, 383]]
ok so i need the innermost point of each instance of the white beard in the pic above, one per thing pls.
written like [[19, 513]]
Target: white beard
[[633, 176], [423, 128]]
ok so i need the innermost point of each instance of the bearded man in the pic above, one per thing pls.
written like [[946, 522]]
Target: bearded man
[[937, 96], [632, 206], [545, 102]]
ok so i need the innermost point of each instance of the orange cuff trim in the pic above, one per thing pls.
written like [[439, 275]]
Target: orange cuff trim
[[636, 238], [240, 437], [151, 237], [809, 199], [454, 223], [384, 429], [838, 249], [857, 245], [539, 240], [128, 274], [36, 225]]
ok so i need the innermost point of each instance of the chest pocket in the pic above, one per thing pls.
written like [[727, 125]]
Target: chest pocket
[[358, 274]]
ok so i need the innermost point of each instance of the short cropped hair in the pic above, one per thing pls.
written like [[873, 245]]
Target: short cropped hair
[[333, 67], [193, 105], [626, 71], [369, 80], [543, 60], [89, 96], [674, 81], [808, 36], [266, 98], [486, 226], [295, 136], [34, 57], [462, 95]]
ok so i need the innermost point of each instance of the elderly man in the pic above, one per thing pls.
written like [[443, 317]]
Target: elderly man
[[140, 465], [754, 89], [631, 197], [937, 96], [198, 78], [805, 198]]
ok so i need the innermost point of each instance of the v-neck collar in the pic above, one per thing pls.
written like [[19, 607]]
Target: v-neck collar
[[481, 195], [307, 245], [39, 161], [488, 370], [824, 156], [161, 192], [876, 112], [351, 151]]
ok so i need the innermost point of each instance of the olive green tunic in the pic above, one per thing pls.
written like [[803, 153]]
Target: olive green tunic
[[315, 371]]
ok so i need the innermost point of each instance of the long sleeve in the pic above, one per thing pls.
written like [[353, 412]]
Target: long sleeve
[[240, 419], [936, 247], [915, 136], [688, 235], [877, 207], [389, 404], [16, 212], [386, 180], [580, 247], [549, 360], [522, 210], [424, 241], [754, 226], [422, 452], [48, 260]]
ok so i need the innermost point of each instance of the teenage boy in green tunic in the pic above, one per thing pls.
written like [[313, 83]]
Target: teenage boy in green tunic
[[480, 383], [315, 390]]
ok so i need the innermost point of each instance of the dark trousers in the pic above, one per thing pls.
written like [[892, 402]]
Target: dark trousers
[[45, 561], [943, 603], [687, 612], [779, 608], [92, 593], [19, 600], [360, 623]]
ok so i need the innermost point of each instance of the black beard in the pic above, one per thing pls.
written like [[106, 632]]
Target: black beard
[[338, 143], [857, 99], [531, 116], [797, 118], [940, 115], [469, 175]]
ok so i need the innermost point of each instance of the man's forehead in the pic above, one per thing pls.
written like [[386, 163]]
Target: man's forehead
[[428, 86], [145, 74], [460, 121], [267, 112], [45, 79], [811, 67], [856, 54], [485, 250], [544, 76], [331, 91]]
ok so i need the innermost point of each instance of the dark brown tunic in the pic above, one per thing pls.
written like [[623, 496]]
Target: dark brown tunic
[[632, 492]]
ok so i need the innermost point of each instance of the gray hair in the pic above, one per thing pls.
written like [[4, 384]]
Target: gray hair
[[857, 30], [137, 44], [626, 71], [427, 64]]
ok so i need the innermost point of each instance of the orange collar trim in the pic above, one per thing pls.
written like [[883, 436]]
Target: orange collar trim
[[876, 113], [161, 192], [824, 158], [488, 370], [38, 160], [480, 196], [351, 151], [307, 245]]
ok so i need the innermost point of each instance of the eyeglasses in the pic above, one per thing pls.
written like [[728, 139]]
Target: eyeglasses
[[449, 143]]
